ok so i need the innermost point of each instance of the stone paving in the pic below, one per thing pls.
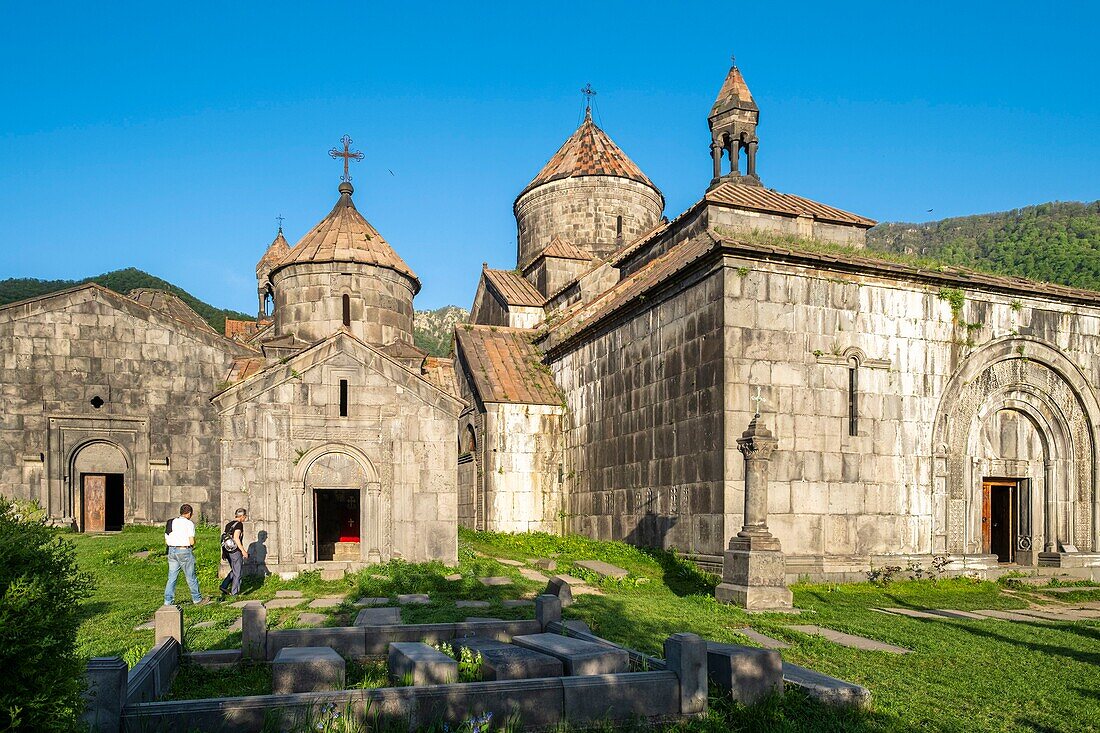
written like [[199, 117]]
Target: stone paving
[[851, 640]]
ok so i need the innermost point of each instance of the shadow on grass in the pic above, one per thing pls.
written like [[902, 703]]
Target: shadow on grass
[[681, 576], [1078, 655]]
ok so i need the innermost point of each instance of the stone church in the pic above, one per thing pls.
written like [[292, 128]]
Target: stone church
[[600, 388], [918, 412]]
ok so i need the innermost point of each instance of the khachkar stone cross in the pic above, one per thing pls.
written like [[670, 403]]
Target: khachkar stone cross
[[347, 155], [754, 571]]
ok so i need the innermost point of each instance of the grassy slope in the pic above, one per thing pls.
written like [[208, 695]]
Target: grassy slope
[[963, 676]]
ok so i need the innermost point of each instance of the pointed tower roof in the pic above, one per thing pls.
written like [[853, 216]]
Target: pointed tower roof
[[345, 236], [276, 252], [734, 94], [589, 152]]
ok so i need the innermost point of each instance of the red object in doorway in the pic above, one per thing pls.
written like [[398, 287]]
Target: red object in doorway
[[350, 531]]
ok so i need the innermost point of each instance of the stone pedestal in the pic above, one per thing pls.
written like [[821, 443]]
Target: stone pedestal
[[754, 571]]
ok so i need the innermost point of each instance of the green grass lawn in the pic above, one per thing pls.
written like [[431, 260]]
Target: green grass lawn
[[963, 675]]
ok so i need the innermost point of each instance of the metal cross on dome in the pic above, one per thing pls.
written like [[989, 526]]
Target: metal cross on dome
[[347, 155], [757, 399], [588, 93]]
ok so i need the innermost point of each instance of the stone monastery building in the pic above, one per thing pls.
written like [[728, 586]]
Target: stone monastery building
[[600, 388]]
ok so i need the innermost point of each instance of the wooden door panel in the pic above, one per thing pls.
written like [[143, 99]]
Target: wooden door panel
[[95, 502]]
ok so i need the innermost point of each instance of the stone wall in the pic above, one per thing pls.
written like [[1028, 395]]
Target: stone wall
[[644, 436], [551, 274], [524, 469], [309, 301], [584, 211], [398, 446], [733, 220], [154, 376]]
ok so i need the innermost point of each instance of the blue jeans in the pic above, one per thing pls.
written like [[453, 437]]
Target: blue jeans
[[181, 558]]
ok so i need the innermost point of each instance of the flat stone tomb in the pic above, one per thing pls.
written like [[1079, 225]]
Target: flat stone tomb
[[284, 602], [416, 663], [748, 673], [965, 615], [911, 613], [517, 603], [495, 580], [829, 690], [501, 661], [312, 619], [534, 575], [569, 579], [602, 569], [288, 594], [851, 640], [387, 616], [1006, 615], [407, 598], [364, 601], [472, 604], [1048, 615], [506, 561], [578, 657], [763, 640], [453, 577], [326, 602], [307, 669]]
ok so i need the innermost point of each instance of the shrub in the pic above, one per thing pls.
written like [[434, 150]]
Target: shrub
[[41, 590]]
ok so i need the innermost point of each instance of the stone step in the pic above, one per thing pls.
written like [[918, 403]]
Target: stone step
[[826, 689], [501, 661], [851, 640], [578, 657], [602, 569]]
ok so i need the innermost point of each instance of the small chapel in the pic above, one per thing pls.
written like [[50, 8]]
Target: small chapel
[[611, 383]]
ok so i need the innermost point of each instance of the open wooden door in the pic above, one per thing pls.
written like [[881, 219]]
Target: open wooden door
[[95, 502], [999, 518]]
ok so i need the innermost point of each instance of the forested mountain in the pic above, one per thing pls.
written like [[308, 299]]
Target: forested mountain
[[1056, 242], [434, 331], [121, 281]]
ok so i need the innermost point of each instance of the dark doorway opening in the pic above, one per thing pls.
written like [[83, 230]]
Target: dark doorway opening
[[103, 506], [337, 517], [999, 518]]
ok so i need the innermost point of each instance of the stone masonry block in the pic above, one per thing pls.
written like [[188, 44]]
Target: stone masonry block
[[747, 673], [307, 669]]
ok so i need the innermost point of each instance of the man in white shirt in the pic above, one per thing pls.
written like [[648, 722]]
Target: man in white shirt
[[179, 535]]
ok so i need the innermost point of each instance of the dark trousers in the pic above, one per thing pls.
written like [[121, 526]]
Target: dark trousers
[[234, 576]]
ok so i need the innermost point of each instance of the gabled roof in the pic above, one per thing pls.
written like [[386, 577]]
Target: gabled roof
[[505, 366], [345, 236], [565, 250], [784, 204], [734, 94], [512, 288], [276, 253], [169, 304], [243, 330], [589, 152]]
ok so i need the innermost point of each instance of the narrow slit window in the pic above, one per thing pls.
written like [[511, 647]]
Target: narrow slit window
[[853, 396], [619, 227], [343, 397], [347, 310]]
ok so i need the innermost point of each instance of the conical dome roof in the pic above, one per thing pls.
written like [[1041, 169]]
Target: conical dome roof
[[345, 236], [734, 94], [276, 252], [589, 152]]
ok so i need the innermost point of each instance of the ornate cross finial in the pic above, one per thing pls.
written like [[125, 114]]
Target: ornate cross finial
[[733, 60], [279, 218], [347, 155], [588, 93], [757, 399]]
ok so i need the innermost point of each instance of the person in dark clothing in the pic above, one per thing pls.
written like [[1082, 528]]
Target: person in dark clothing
[[236, 556]]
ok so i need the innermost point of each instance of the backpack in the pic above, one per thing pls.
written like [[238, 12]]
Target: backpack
[[228, 543]]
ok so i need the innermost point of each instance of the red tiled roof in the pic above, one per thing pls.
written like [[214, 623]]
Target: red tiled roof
[[440, 372], [276, 253], [734, 94], [589, 152], [784, 204], [243, 330], [505, 366], [513, 288], [565, 250], [345, 236], [244, 367], [170, 305]]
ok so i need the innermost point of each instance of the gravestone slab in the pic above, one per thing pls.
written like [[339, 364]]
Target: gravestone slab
[[407, 598], [312, 619], [288, 594], [822, 687], [506, 561], [388, 616], [376, 576], [284, 602], [602, 569], [544, 563], [533, 575], [578, 657], [560, 587], [967, 615], [480, 619], [517, 603], [307, 669], [1005, 615], [205, 625], [453, 577], [569, 579], [147, 626], [327, 602], [332, 573], [239, 604], [765, 641], [747, 673], [142, 555], [501, 661], [578, 626], [495, 580], [237, 625], [416, 663], [372, 601], [472, 604], [851, 640], [911, 613]]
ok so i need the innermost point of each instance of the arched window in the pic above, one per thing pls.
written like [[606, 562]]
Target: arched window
[[469, 442], [853, 396], [347, 310]]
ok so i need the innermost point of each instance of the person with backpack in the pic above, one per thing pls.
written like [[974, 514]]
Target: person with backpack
[[179, 535], [233, 552]]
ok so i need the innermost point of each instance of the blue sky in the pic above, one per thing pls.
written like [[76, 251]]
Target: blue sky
[[170, 137]]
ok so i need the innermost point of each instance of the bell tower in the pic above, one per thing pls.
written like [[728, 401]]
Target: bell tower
[[733, 120]]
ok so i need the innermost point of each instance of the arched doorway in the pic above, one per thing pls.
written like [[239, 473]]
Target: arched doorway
[[343, 507], [468, 474], [1014, 459], [98, 472]]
